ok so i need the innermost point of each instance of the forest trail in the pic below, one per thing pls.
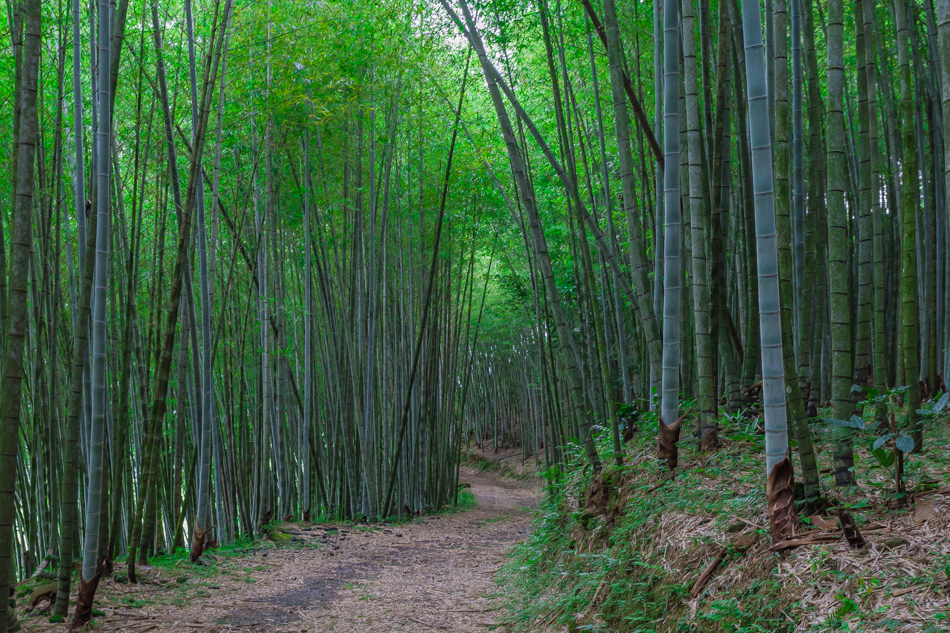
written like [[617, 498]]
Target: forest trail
[[434, 574]]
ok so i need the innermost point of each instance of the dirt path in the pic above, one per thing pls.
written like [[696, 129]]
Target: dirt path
[[433, 574]]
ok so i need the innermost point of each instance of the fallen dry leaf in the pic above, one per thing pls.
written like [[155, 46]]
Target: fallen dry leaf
[[923, 511], [823, 524]]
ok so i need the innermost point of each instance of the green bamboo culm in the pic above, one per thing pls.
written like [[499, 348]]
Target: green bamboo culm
[[878, 323], [89, 577], [865, 246], [798, 164], [698, 210], [784, 225], [638, 251], [304, 448], [672, 267], [777, 465], [908, 228], [100, 284], [21, 246], [206, 419], [74, 408], [943, 30], [839, 276]]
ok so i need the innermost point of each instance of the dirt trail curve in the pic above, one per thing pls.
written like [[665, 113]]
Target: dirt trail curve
[[429, 575]]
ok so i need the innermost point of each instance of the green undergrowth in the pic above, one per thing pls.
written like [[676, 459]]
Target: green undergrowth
[[466, 501], [608, 572], [241, 547], [620, 552]]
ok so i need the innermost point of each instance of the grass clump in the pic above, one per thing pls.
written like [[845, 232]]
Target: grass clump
[[466, 499]]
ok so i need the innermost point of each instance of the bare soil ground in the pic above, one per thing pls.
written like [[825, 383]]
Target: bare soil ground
[[434, 574]]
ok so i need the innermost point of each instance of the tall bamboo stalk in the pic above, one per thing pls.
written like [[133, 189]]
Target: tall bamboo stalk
[[778, 468]]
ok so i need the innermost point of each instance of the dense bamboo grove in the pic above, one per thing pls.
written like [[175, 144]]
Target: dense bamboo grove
[[268, 261]]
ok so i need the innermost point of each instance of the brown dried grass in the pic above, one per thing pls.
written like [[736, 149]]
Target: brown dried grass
[[895, 586]]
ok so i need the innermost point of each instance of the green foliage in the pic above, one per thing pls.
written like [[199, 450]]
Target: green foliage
[[466, 499], [937, 406], [616, 572], [207, 564], [574, 565], [854, 423], [874, 408]]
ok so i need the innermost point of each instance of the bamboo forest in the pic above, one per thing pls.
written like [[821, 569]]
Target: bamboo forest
[[543, 316]]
